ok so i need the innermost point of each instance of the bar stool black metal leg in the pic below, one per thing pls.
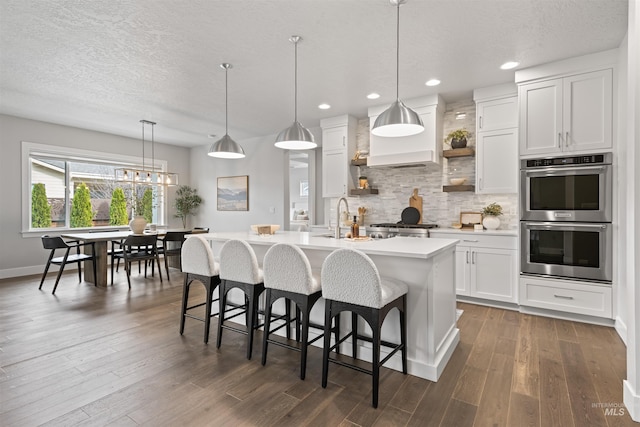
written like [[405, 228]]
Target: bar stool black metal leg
[[354, 336], [207, 312], [403, 333], [222, 303], [375, 357], [267, 326], [185, 299], [327, 342]]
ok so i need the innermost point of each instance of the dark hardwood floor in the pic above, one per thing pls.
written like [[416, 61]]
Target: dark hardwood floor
[[110, 356]]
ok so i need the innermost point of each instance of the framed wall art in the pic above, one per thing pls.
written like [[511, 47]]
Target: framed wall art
[[233, 193]]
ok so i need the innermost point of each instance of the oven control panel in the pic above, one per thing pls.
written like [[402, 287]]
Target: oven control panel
[[567, 161]]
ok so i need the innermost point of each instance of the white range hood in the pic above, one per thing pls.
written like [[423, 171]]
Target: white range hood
[[422, 149]]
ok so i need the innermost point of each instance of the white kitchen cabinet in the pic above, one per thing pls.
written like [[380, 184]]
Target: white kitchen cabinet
[[486, 265], [572, 114], [497, 114], [570, 296], [338, 147], [496, 139], [497, 161]]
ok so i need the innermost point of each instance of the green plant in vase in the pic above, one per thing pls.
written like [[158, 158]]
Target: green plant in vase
[[458, 138], [490, 214]]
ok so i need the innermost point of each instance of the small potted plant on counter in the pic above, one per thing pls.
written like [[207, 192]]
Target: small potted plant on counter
[[458, 138], [490, 214]]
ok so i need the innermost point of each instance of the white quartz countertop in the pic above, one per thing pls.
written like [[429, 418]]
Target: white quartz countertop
[[434, 232], [409, 247]]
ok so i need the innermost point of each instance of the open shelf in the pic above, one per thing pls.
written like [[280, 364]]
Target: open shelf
[[363, 191], [454, 188], [359, 162], [459, 152]]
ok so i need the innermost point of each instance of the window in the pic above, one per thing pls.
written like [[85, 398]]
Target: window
[[66, 188]]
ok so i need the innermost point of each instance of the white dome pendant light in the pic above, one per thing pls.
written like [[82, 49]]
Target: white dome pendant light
[[296, 136], [398, 119], [225, 147]]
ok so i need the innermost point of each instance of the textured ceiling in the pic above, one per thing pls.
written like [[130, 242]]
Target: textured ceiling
[[104, 65]]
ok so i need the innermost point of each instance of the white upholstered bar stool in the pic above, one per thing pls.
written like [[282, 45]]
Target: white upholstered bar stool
[[198, 264], [239, 269], [288, 275], [351, 282]]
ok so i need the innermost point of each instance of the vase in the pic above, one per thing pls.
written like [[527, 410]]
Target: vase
[[491, 222], [458, 143], [137, 224]]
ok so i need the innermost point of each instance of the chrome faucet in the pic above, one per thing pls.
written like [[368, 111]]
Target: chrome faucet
[[346, 205]]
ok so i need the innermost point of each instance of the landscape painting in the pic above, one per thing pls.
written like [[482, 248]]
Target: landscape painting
[[233, 193]]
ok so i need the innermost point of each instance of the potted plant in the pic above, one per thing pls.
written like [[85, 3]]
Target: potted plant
[[186, 203], [490, 214], [458, 138]]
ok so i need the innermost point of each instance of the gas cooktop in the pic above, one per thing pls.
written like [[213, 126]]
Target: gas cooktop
[[401, 225]]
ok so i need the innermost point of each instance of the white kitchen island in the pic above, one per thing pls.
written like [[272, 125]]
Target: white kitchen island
[[425, 265]]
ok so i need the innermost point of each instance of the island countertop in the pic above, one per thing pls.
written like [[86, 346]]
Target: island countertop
[[408, 247], [427, 266]]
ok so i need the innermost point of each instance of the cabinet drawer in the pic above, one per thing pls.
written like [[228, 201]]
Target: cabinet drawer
[[568, 296], [478, 240]]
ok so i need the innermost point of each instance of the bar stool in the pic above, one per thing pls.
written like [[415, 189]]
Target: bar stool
[[199, 264], [288, 274], [239, 269], [351, 282]]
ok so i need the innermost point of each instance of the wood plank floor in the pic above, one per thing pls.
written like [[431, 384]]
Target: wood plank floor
[[110, 356]]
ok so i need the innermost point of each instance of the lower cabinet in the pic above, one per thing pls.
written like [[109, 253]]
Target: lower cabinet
[[570, 296], [486, 266]]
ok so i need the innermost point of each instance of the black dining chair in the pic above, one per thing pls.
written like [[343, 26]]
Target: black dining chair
[[171, 246], [55, 243], [139, 248]]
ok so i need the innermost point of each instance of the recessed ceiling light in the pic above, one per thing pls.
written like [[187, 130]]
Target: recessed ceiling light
[[324, 106], [373, 95], [509, 65], [433, 82]]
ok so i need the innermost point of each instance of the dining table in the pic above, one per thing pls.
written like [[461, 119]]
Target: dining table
[[101, 240]]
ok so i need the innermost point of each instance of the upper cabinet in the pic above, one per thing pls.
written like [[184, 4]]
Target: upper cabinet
[[572, 114], [496, 139], [338, 147], [423, 148]]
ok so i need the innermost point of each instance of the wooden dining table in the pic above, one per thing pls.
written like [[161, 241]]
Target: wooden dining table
[[101, 240]]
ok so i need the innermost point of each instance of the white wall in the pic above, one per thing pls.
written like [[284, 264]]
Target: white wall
[[632, 256], [265, 165], [23, 254]]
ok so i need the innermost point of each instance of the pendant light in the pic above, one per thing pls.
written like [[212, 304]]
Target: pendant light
[[398, 119], [296, 136], [145, 176], [225, 147]]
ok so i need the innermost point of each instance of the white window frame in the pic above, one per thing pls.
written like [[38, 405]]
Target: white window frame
[[73, 154]]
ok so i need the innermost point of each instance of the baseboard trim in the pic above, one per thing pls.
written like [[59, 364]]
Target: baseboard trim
[[631, 400], [621, 329]]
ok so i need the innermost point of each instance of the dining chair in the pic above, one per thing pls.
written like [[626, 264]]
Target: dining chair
[[351, 282], [139, 248], [170, 246], [55, 243]]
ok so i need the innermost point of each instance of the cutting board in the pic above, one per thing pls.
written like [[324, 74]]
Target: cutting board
[[415, 201]]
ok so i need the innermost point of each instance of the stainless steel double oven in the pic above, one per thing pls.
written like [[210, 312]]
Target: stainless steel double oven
[[566, 212]]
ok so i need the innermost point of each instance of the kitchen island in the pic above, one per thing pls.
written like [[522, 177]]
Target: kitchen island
[[425, 265]]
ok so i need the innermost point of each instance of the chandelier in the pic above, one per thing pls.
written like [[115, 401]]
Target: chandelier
[[147, 175]]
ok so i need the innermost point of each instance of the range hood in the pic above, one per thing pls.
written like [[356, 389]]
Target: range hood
[[424, 148]]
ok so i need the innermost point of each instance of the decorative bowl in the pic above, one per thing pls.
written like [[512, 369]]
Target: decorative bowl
[[265, 228], [456, 225], [457, 181]]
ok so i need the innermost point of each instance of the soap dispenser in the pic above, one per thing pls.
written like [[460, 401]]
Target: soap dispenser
[[355, 228]]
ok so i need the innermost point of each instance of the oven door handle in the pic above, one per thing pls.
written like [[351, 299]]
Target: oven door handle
[[557, 225], [561, 170]]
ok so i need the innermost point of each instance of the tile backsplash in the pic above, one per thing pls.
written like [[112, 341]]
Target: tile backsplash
[[395, 185]]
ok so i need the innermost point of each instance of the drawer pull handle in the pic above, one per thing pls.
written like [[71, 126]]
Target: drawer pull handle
[[562, 296], [472, 241]]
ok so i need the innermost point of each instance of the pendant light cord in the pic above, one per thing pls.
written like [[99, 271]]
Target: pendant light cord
[[295, 90], [398, 52], [226, 100], [143, 165]]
